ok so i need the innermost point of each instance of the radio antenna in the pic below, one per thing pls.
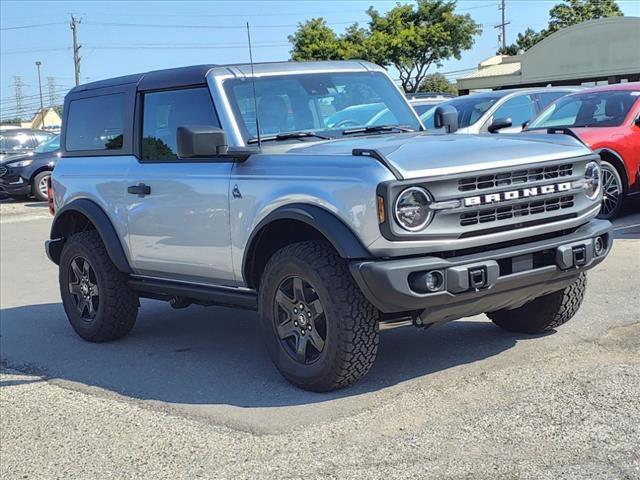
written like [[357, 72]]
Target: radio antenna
[[253, 83]]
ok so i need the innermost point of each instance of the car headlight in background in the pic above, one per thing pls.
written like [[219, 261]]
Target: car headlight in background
[[412, 209], [593, 180], [21, 163]]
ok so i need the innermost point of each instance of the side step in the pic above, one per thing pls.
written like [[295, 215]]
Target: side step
[[195, 293]]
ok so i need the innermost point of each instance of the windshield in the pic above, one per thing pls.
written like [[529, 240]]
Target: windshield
[[323, 103], [470, 109], [49, 145], [596, 109]]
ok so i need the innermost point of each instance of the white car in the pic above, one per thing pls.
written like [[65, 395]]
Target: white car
[[501, 111]]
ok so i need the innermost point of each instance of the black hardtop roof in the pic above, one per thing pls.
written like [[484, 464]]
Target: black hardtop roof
[[167, 78]]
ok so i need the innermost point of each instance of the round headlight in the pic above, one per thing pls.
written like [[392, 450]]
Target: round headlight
[[593, 180], [412, 210]]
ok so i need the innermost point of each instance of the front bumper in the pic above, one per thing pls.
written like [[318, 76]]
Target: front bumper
[[509, 276], [13, 183]]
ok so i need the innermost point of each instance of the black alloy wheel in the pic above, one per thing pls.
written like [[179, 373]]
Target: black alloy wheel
[[300, 320], [83, 287], [612, 190]]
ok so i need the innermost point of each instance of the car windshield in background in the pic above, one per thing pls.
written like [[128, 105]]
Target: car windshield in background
[[322, 103], [598, 109], [49, 145], [16, 142], [470, 109]]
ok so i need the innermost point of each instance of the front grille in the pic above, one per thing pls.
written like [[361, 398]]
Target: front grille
[[3, 171], [516, 177], [487, 215]]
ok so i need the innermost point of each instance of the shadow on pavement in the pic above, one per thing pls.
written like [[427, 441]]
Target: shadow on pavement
[[215, 355]]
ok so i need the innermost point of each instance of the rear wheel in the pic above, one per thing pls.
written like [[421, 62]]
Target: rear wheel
[[321, 333], [95, 295], [39, 186], [613, 191], [544, 313]]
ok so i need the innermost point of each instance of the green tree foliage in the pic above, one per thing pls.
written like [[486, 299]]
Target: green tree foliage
[[571, 12], [525, 41], [565, 14], [436, 82], [410, 37]]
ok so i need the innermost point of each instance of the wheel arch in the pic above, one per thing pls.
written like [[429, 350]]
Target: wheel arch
[[84, 214], [611, 156], [301, 222]]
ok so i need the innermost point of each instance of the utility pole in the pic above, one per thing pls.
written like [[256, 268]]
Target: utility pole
[[38, 63], [18, 84], [502, 36], [76, 48], [52, 87]]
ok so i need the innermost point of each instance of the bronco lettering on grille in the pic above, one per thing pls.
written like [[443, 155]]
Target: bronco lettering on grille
[[516, 194]]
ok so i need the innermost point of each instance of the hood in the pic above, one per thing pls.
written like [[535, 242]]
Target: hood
[[12, 157], [419, 155]]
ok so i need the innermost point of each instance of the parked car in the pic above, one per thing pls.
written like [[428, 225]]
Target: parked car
[[421, 102], [21, 140], [175, 192], [607, 119], [501, 111], [24, 175]]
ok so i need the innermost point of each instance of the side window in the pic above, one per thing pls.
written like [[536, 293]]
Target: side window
[[547, 98], [165, 111], [96, 123], [518, 109]]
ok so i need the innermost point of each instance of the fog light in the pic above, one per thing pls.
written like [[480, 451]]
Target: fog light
[[434, 280], [427, 282], [598, 246]]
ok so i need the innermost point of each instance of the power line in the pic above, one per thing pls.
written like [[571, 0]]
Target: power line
[[38, 25], [209, 27]]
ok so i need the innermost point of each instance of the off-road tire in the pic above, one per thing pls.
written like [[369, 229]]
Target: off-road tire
[[544, 313], [352, 322], [118, 304], [35, 190]]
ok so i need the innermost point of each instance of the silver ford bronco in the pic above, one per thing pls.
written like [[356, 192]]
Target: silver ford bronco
[[311, 193]]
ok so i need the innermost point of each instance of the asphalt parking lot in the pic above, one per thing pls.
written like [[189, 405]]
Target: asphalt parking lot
[[192, 393]]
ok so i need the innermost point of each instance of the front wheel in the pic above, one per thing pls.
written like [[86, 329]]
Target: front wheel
[[544, 313], [320, 331], [95, 295], [612, 192], [39, 186]]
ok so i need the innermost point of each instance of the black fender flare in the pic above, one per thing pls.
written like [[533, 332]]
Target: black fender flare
[[329, 225], [100, 220]]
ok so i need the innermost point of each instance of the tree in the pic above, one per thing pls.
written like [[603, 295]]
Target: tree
[[410, 37], [314, 40], [562, 15], [572, 12], [436, 82], [525, 41]]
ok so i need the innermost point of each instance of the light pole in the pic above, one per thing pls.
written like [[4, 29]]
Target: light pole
[[38, 63]]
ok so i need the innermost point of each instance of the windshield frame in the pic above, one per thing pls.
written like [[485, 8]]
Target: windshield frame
[[238, 134]]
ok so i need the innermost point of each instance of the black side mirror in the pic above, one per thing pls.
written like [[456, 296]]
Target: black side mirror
[[499, 123], [637, 121], [446, 116], [525, 124], [201, 141]]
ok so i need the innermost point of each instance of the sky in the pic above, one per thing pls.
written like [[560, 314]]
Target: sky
[[123, 37]]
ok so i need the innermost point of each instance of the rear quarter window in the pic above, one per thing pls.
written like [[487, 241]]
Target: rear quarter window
[[96, 123]]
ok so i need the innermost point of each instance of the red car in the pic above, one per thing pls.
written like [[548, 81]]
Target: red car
[[607, 119]]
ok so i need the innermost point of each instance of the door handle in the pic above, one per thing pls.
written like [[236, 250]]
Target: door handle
[[140, 189]]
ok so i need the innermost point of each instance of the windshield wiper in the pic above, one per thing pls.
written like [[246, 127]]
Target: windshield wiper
[[288, 136], [377, 129]]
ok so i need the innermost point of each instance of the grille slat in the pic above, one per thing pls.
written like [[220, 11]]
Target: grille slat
[[517, 210], [516, 177]]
